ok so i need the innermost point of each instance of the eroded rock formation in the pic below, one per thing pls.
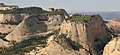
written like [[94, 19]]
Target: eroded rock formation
[[35, 24], [113, 47], [114, 26], [77, 35], [30, 26], [92, 35]]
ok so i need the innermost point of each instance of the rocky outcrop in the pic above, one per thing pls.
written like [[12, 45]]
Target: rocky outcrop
[[64, 12], [29, 26], [55, 19], [54, 22], [113, 47], [56, 45], [114, 26], [35, 24], [10, 18], [92, 34], [59, 10]]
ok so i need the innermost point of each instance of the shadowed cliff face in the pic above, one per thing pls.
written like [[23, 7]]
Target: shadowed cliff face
[[98, 34]]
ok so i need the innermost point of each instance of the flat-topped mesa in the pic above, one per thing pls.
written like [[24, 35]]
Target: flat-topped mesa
[[88, 30], [59, 10], [7, 7]]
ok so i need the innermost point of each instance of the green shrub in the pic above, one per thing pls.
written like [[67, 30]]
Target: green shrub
[[77, 17], [84, 18]]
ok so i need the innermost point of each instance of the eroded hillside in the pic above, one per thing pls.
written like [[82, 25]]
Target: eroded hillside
[[53, 32]]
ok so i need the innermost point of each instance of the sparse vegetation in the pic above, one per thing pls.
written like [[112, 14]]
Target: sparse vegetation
[[74, 45], [79, 17], [84, 18], [61, 38], [10, 22], [29, 10], [24, 46]]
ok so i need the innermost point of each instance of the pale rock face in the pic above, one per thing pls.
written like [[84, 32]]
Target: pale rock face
[[7, 28], [54, 22], [29, 26], [113, 47], [71, 28], [91, 35], [4, 43], [55, 19], [56, 49]]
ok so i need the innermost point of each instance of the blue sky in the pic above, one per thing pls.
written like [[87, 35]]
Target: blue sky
[[70, 5]]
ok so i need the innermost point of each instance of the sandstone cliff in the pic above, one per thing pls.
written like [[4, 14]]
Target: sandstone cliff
[[37, 35], [113, 47], [91, 34]]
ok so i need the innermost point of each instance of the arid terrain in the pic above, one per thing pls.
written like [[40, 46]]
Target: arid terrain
[[35, 31]]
